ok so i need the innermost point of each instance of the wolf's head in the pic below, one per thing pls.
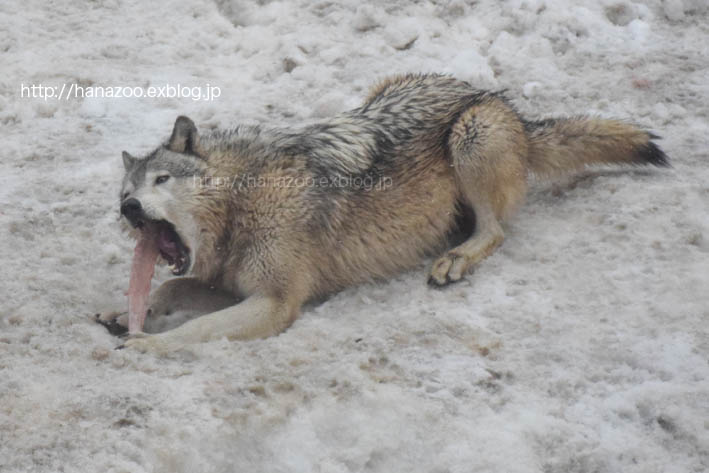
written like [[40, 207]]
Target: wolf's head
[[158, 194]]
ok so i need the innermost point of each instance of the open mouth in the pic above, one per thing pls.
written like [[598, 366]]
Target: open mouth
[[169, 244]]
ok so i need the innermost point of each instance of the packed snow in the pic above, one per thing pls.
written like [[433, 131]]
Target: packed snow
[[582, 345]]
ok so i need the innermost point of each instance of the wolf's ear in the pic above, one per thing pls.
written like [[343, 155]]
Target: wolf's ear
[[128, 160], [184, 136]]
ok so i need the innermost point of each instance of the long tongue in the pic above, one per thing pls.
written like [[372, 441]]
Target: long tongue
[[144, 257]]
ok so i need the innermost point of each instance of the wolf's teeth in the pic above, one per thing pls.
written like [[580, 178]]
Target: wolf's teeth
[[173, 267]]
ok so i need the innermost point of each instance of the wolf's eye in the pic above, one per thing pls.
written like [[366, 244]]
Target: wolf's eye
[[161, 179]]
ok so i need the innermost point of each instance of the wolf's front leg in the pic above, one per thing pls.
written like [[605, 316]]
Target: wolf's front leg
[[258, 316], [188, 296]]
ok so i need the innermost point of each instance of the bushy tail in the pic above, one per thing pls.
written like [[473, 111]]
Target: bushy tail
[[560, 146]]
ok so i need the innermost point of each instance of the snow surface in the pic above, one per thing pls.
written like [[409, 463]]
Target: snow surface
[[580, 346]]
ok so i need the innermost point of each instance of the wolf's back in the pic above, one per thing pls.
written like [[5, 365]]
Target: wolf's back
[[560, 146]]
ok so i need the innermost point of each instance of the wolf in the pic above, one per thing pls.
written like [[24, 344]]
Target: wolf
[[265, 219]]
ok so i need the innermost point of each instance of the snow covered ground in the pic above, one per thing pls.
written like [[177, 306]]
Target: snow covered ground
[[581, 346]]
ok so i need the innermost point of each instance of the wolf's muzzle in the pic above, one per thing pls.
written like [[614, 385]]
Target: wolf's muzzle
[[133, 211]]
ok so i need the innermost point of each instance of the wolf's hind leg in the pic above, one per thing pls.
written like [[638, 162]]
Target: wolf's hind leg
[[488, 147], [453, 265]]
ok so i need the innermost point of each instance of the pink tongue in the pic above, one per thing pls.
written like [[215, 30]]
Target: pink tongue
[[141, 272]]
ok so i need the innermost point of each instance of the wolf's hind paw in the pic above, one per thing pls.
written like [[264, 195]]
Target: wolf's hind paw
[[447, 269]]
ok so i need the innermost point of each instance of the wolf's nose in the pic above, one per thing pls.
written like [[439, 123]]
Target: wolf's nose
[[131, 209]]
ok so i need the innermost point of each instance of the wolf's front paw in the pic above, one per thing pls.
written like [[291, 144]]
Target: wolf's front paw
[[448, 268], [155, 344], [142, 342], [116, 322]]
